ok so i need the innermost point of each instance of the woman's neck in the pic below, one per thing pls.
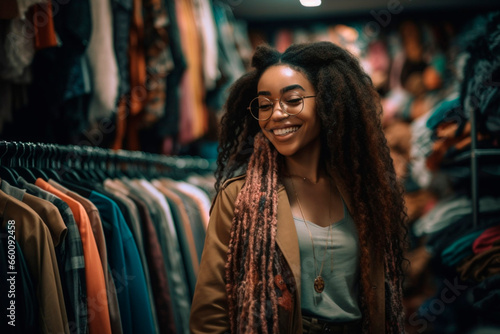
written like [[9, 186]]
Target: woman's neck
[[307, 167]]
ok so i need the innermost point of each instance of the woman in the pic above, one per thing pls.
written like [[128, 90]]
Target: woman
[[306, 238]]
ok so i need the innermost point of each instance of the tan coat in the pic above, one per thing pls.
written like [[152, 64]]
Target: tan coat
[[209, 307]]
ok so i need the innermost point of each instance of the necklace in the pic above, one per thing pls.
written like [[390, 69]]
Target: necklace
[[305, 179], [319, 282]]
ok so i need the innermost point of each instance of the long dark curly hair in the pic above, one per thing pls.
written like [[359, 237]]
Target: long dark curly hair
[[353, 146]]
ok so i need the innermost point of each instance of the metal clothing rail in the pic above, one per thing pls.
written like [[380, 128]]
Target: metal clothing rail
[[67, 157], [475, 153]]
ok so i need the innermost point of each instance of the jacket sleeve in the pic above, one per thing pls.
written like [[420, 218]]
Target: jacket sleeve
[[209, 312]]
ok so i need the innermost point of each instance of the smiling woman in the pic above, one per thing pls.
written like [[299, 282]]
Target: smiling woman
[[289, 135], [311, 236]]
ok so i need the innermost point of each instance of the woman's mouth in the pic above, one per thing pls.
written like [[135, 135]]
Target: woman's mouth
[[285, 131]]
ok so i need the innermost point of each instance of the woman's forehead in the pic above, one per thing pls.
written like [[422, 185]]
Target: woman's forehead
[[275, 78]]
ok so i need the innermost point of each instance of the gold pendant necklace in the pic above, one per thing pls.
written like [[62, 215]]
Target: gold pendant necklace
[[319, 282]]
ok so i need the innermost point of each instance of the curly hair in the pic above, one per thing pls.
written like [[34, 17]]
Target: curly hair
[[352, 142]]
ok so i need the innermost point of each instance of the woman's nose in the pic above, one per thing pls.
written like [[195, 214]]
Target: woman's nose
[[277, 106]]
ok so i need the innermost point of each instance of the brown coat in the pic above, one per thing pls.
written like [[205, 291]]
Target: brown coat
[[209, 307]]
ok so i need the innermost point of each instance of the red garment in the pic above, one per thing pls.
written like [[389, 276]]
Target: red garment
[[486, 240], [43, 25]]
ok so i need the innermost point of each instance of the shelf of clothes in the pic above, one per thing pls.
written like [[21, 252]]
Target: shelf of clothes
[[110, 246], [456, 257]]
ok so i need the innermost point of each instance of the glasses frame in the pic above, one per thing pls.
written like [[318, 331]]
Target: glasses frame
[[283, 109]]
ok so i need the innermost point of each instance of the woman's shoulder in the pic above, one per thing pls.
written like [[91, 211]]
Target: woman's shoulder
[[235, 183], [229, 191]]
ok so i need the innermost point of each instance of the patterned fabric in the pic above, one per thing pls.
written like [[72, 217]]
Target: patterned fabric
[[158, 58], [74, 267]]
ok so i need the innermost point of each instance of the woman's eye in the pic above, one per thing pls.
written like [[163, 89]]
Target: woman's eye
[[265, 107], [293, 100]]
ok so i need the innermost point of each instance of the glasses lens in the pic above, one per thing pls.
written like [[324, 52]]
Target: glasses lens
[[292, 102], [261, 108]]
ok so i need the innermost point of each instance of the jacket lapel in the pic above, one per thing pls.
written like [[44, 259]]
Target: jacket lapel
[[286, 235], [288, 243]]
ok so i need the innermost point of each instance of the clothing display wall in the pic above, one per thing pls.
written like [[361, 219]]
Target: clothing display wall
[[109, 241], [147, 74], [101, 241]]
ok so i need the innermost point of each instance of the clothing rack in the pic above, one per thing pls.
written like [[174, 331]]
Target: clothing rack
[[474, 155], [474, 165], [134, 226], [65, 158]]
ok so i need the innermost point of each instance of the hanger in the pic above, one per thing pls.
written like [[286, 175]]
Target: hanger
[[69, 167], [88, 165], [21, 168], [38, 153], [51, 163], [103, 168], [6, 173]]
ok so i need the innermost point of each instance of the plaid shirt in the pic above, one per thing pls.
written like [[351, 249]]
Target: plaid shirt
[[70, 260]]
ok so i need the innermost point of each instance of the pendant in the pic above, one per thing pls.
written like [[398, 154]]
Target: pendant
[[319, 284]]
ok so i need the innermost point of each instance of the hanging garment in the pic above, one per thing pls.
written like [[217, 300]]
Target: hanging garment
[[125, 263], [102, 62], [156, 263], [97, 300], [131, 216], [25, 319], [95, 223], [169, 242], [194, 212], [36, 243], [188, 249], [74, 269]]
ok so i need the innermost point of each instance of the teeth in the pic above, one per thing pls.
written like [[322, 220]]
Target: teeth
[[282, 132]]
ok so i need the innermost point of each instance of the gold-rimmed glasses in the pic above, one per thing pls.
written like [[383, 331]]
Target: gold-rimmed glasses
[[291, 103]]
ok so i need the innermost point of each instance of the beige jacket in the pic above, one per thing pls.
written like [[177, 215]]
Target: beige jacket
[[209, 307]]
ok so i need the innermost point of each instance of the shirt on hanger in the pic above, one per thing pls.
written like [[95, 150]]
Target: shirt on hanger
[[37, 246], [156, 262], [74, 267], [126, 266], [95, 223], [97, 300]]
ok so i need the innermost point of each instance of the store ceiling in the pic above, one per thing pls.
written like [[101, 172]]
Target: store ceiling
[[267, 10]]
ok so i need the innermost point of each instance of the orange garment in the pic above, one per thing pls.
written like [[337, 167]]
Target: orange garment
[[95, 222], [193, 113], [43, 26], [97, 299], [121, 123], [137, 57]]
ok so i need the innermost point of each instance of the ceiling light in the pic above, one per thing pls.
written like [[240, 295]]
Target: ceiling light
[[310, 3]]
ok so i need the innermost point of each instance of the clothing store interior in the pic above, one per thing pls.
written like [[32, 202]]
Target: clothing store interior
[[109, 120]]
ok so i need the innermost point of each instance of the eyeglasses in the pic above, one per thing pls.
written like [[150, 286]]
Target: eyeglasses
[[291, 103]]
